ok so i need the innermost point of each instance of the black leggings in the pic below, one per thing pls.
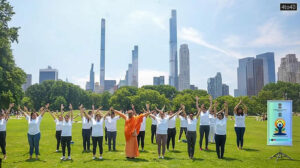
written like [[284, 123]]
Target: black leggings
[[66, 141], [171, 135], [191, 140], [86, 142], [239, 136], [105, 134], [141, 138], [182, 129], [98, 140], [3, 141], [220, 143], [204, 129], [153, 132], [58, 139]]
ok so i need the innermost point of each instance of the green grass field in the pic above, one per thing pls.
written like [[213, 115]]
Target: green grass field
[[255, 154]]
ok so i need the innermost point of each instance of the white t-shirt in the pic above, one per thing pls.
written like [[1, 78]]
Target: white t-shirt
[[3, 123], [239, 120], [221, 126], [86, 124], [97, 127], [66, 128], [153, 121], [212, 119], [112, 123], [204, 118], [191, 124], [162, 125], [143, 125], [172, 122], [34, 125], [183, 122], [58, 125]]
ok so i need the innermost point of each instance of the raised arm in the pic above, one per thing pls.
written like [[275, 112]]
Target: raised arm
[[87, 115], [62, 109], [71, 111], [226, 109], [93, 110], [237, 106], [210, 103], [11, 105], [81, 110], [197, 104], [160, 111], [133, 109], [24, 112], [215, 109], [42, 111], [120, 114], [245, 108], [178, 112], [148, 110]]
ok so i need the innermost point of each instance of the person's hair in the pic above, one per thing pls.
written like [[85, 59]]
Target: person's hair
[[33, 113], [222, 114], [237, 111]]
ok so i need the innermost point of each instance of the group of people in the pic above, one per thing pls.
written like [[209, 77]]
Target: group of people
[[213, 126]]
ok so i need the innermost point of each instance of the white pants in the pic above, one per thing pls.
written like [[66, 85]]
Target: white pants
[[211, 136]]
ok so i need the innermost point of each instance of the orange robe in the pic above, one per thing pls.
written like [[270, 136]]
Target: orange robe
[[131, 124]]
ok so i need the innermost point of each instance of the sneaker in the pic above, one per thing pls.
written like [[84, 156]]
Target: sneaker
[[57, 150], [159, 157], [201, 149], [4, 157], [162, 157], [178, 140], [63, 158], [100, 157], [206, 149], [94, 157], [69, 158]]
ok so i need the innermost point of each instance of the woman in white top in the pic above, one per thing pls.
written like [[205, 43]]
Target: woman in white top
[[66, 133], [191, 132], [240, 114], [111, 121], [97, 131], [3, 121], [212, 123], [153, 126], [141, 135], [58, 126], [183, 124], [221, 125], [162, 129], [204, 121], [86, 130], [171, 130], [34, 135]]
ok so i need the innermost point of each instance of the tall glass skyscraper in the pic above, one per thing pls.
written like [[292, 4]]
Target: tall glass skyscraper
[[102, 54], [48, 74], [269, 66], [173, 77], [242, 76], [92, 79], [135, 66], [214, 86], [184, 65]]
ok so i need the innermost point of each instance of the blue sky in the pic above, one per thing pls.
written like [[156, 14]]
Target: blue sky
[[66, 35]]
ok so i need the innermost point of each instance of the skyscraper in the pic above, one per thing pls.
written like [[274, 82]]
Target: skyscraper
[[28, 82], [269, 66], [173, 77], [184, 64], [242, 77], [129, 77], [109, 85], [214, 86], [92, 79], [48, 74], [255, 76], [225, 90], [289, 69], [135, 72], [160, 80], [102, 54]]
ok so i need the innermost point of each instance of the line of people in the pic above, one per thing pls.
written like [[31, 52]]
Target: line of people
[[213, 126]]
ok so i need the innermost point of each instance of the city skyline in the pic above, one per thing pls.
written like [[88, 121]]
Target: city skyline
[[52, 42]]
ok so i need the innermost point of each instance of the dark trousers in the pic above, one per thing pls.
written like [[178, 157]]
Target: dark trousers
[[66, 142], [86, 134], [58, 139], [111, 137], [220, 144], [141, 137], [99, 141], [204, 129], [182, 129], [171, 136], [153, 132], [191, 141], [3, 142], [34, 143], [105, 132], [239, 135]]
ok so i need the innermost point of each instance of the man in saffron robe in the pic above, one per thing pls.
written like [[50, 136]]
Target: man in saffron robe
[[132, 128]]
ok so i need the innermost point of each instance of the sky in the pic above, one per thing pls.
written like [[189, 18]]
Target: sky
[[65, 34]]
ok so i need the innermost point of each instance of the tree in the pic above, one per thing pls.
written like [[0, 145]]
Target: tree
[[11, 76], [26, 101], [121, 98], [169, 91], [58, 101], [188, 100]]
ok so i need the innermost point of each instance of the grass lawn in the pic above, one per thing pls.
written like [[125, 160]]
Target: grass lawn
[[255, 154]]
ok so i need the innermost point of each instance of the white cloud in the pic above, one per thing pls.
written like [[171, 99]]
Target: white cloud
[[232, 41], [139, 16], [192, 35]]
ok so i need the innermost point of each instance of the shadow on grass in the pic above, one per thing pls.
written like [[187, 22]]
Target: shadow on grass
[[95, 160], [137, 160], [230, 159], [250, 150], [34, 160], [145, 151], [175, 151], [67, 160]]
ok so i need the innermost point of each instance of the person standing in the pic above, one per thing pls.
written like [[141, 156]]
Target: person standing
[[221, 125], [34, 135], [183, 125], [141, 135], [162, 131], [66, 133], [191, 133], [58, 126], [111, 121], [153, 126], [132, 127], [204, 122], [86, 130], [4, 116], [240, 114], [212, 122]]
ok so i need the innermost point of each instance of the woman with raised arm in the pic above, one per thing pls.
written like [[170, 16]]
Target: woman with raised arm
[[111, 125], [153, 126], [66, 133], [221, 125], [204, 122], [240, 114], [97, 132], [171, 130], [141, 135], [4, 116], [58, 125], [162, 131], [34, 135], [132, 128], [183, 124], [212, 124], [86, 130], [191, 132]]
